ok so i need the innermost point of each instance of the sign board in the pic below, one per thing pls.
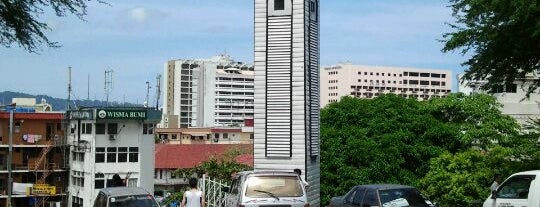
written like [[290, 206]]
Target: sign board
[[86, 114], [43, 189], [120, 114]]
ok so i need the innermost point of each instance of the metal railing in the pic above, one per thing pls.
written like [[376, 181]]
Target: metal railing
[[214, 196]]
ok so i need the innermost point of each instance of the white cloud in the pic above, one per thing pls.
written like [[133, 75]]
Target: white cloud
[[138, 14]]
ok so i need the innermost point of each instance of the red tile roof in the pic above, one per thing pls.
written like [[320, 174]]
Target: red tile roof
[[33, 116], [185, 156]]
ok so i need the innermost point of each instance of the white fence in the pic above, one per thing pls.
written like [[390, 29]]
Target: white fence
[[212, 189]]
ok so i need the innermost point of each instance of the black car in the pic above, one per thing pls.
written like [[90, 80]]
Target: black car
[[381, 195]]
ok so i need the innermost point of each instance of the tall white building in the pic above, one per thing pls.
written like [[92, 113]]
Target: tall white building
[[511, 96], [371, 81], [215, 92], [287, 89], [109, 141]]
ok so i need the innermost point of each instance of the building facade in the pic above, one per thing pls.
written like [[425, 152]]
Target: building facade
[[371, 81], [171, 157], [511, 96], [287, 89], [39, 170], [215, 92], [109, 141]]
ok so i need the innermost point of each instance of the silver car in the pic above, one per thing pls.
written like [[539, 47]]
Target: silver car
[[266, 188]]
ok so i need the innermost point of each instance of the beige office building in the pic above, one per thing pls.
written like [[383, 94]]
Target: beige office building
[[371, 81]]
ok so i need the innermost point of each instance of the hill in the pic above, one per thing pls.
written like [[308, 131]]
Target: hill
[[58, 104]]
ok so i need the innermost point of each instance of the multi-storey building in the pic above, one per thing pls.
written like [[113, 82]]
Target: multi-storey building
[[512, 96], [109, 141], [215, 92], [371, 81], [286, 123], [38, 168]]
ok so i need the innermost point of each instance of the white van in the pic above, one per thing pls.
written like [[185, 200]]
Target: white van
[[268, 188], [520, 190]]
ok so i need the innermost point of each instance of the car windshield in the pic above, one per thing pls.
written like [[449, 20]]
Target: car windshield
[[402, 197], [273, 186], [133, 201]]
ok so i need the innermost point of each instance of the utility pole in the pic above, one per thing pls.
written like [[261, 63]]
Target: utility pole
[[10, 154], [146, 103], [158, 90]]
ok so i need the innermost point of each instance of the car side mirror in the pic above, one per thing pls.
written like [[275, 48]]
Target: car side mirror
[[225, 189], [494, 194]]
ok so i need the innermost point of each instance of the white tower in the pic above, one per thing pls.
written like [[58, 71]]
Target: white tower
[[287, 89]]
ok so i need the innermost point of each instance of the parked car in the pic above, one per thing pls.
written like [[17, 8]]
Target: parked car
[[381, 195], [520, 189], [124, 197], [268, 188]]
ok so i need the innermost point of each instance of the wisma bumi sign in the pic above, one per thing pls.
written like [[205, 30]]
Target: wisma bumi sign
[[120, 114]]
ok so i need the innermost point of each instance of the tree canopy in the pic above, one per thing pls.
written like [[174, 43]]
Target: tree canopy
[[20, 23], [391, 139], [502, 37]]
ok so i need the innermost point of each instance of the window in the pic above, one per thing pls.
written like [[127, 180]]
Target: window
[[77, 178], [435, 75], [377, 74], [100, 128], [435, 83], [225, 136], [86, 128], [122, 154], [414, 74], [443, 83], [443, 75], [370, 199], [358, 196], [511, 88], [99, 182], [424, 74], [516, 187], [100, 154], [76, 201], [424, 83], [413, 82], [111, 154], [73, 128], [133, 154], [365, 73], [173, 136], [132, 182], [404, 81], [148, 128], [279, 5], [251, 136], [312, 6], [112, 128], [405, 74]]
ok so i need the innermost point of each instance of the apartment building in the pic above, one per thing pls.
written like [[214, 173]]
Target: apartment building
[[511, 96], [109, 141], [371, 81], [38, 168], [214, 92]]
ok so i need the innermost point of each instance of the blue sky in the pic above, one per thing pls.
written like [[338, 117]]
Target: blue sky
[[135, 38]]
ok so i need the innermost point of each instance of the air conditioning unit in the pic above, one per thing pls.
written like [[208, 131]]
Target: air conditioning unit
[[112, 136]]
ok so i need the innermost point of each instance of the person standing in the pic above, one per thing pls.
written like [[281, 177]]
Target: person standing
[[299, 172], [496, 183], [193, 197]]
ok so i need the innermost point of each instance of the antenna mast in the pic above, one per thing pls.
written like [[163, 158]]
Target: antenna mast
[[88, 88], [158, 90], [146, 103], [108, 85], [69, 88]]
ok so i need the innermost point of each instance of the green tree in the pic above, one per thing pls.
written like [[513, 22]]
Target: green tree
[[391, 139], [20, 24], [502, 37], [221, 167]]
